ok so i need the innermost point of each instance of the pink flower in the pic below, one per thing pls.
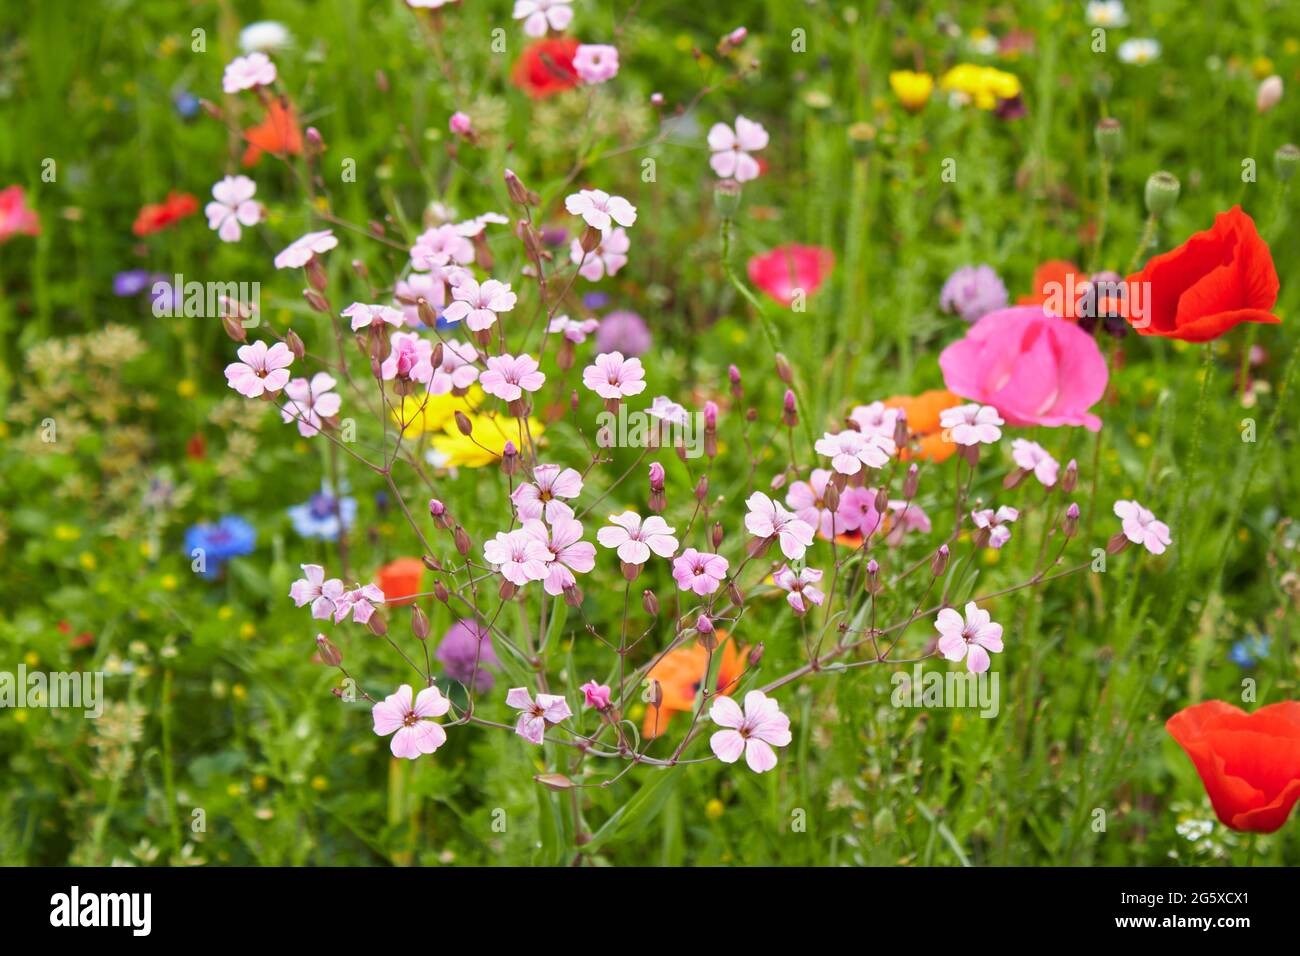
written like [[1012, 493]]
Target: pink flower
[[1031, 456], [699, 571], [460, 124], [634, 539], [606, 259], [996, 522], [573, 330], [300, 251], [260, 370], [972, 424], [309, 403], [807, 498], [761, 727], [1032, 367], [849, 450], [540, 14], [567, 552], [233, 207], [508, 377], [768, 519], [596, 695], [666, 410], [472, 227], [416, 732], [15, 215], [1141, 527], [457, 370], [410, 358], [972, 638], [790, 271], [363, 315], [518, 555], [246, 72], [441, 246], [611, 376], [359, 602], [430, 286], [802, 587], [595, 63], [876, 419], [536, 714], [479, 304], [599, 209], [905, 516], [323, 595], [858, 511], [541, 497], [731, 157]]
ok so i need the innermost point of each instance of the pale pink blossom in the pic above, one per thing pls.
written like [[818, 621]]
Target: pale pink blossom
[[1141, 527], [430, 286], [904, 517], [666, 410], [596, 695], [460, 124], [301, 250], [518, 555], [576, 331], [876, 419], [538, 15], [324, 596], [566, 550], [634, 539], [972, 424], [808, 499], [767, 519], [310, 402], [1031, 456], [441, 246], [731, 157], [472, 227], [416, 732], [457, 370], [233, 207], [973, 637], [849, 450], [410, 358], [359, 602], [509, 376], [754, 732], [595, 62], [801, 586], [246, 72], [606, 259], [478, 304], [699, 571], [599, 209], [363, 315], [542, 496], [611, 376], [996, 522], [536, 714], [260, 370]]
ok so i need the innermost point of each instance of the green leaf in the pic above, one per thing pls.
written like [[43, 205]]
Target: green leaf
[[639, 811]]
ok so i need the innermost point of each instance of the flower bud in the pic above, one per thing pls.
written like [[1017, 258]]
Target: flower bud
[[733, 376], [1071, 524], [1070, 480], [1285, 161], [554, 781], [419, 622], [831, 497], [518, 192], [734, 595], [702, 488], [463, 424], [1162, 192], [653, 693], [911, 482], [463, 542], [1109, 134], [939, 563], [658, 499], [377, 626], [882, 500], [294, 341], [783, 370], [234, 328], [509, 458], [902, 434], [756, 654], [329, 654], [650, 603], [789, 416], [1268, 94], [437, 509], [704, 624], [316, 274], [440, 591], [317, 301], [726, 197], [717, 535]]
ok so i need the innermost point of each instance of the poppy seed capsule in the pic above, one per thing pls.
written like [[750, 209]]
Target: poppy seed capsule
[[1161, 193], [1285, 161], [1109, 134]]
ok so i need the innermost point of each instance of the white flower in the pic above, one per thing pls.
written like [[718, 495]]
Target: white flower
[[599, 209], [265, 36], [731, 157], [1107, 13], [301, 250], [1139, 51], [972, 424], [540, 14], [233, 207]]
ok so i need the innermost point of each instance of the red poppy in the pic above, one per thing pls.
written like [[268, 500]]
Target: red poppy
[[156, 216], [400, 579], [1249, 763], [1219, 277], [791, 267], [546, 67], [278, 133]]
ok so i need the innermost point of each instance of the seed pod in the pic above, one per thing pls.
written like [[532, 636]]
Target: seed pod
[[1161, 192], [1109, 134]]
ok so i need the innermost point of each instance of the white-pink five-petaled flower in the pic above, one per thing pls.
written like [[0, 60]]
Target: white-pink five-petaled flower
[[246, 72], [518, 555], [478, 304], [536, 714], [606, 259], [441, 246], [876, 419], [1141, 527], [509, 376], [635, 539], [310, 402], [233, 207], [541, 497], [364, 315], [575, 330], [1032, 456], [699, 571], [259, 369], [753, 732], [301, 250], [973, 637], [567, 552], [731, 157], [359, 602], [972, 424], [996, 522], [612, 376], [849, 450], [595, 62], [801, 586], [540, 14], [416, 733], [599, 209], [323, 595], [767, 518]]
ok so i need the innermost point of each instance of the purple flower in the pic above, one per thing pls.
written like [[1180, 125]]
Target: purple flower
[[973, 292], [132, 282], [596, 300], [457, 652], [623, 331]]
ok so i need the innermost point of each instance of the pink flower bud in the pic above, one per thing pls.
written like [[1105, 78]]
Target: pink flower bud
[[460, 124]]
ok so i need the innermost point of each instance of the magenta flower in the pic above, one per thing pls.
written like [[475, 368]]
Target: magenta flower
[[536, 714], [246, 72], [301, 250], [363, 315], [508, 376], [973, 292], [573, 330], [1031, 456], [808, 499], [634, 539], [441, 246], [876, 419], [518, 555], [460, 124], [478, 304], [1141, 527], [457, 371], [324, 596], [801, 587], [596, 695], [699, 571], [995, 522], [972, 638], [858, 510], [1032, 367], [410, 359], [566, 552], [310, 402], [849, 450], [606, 259], [599, 209], [260, 370], [755, 732], [612, 377], [538, 15], [972, 424], [595, 63], [416, 732], [768, 519], [541, 497], [233, 207], [731, 157]]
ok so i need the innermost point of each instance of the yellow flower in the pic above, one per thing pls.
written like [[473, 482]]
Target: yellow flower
[[421, 413], [87, 560], [912, 89], [259, 782], [169, 582], [713, 809], [239, 692], [66, 532], [247, 631], [487, 444], [186, 388], [984, 86], [319, 783], [31, 658]]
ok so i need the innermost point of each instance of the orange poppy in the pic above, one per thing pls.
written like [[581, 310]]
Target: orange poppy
[[679, 675], [922, 413], [278, 133], [400, 579], [1052, 282], [156, 216]]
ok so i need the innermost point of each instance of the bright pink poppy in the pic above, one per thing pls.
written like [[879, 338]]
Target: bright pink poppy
[[789, 269]]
